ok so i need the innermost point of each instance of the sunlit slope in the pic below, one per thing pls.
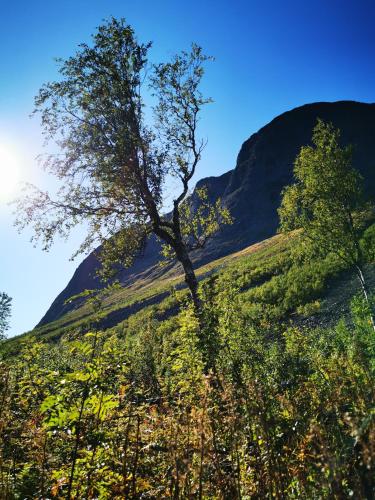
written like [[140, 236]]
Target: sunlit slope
[[158, 293], [273, 291]]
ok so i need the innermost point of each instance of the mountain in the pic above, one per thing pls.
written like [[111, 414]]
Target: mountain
[[252, 190]]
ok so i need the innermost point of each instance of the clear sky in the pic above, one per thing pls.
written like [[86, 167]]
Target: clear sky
[[271, 56]]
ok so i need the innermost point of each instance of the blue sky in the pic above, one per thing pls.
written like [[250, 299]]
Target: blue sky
[[270, 56]]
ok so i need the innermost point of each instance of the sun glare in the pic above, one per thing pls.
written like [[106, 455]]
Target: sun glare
[[9, 172]]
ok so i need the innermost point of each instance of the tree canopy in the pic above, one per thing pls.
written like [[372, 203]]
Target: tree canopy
[[327, 203], [114, 161]]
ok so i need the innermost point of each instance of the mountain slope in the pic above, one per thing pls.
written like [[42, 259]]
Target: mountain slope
[[251, 190], [272, 292]]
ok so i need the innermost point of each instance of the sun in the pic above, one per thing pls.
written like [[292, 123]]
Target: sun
[[9, 172]]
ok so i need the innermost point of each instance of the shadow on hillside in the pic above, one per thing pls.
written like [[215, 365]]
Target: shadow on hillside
[[336, 299], [115, 317]]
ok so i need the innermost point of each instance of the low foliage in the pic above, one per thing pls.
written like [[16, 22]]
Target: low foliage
[[285, 412]]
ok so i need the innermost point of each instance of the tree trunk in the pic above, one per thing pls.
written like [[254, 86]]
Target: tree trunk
[[183, 257], [365, 292], [190, 277]]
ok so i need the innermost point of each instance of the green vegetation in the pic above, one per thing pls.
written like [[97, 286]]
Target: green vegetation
[[270, 287], [5, 309], [327, 203], [286, 410]]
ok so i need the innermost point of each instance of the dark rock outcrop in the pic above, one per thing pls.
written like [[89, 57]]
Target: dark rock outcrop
[[252, 190]]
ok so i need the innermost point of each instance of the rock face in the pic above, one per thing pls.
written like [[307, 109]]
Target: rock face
[[252, 190]]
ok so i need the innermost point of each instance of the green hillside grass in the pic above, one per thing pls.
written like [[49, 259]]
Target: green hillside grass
[[271, 290]]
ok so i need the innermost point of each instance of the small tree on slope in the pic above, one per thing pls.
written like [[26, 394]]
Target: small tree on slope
[[114, 167], [327, 202], [5, 308]]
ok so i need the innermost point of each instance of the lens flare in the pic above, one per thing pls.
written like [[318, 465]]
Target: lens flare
[[9, 173]]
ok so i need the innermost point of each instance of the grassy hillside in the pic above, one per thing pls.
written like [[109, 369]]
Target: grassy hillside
[[268, 395], [269, 286]]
